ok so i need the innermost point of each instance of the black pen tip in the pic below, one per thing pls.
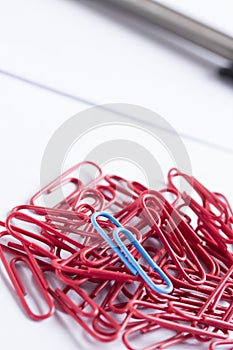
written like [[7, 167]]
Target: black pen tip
[[227, 72]]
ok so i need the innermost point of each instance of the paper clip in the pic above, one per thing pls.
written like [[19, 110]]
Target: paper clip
[[127, 258], [207, 197], [177, 237], [20, 289], [171, 321], [145, 327], [111, 336], [108, 193], [87, 302], [49, 235], [81, 200], [124, 191], [216, 343], [67, 178], [146, 256]]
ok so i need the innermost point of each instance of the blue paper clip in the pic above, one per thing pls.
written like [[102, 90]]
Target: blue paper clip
[[120, 249], [109, 241]]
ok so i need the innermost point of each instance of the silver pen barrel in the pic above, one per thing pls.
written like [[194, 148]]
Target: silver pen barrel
[[182, 25]]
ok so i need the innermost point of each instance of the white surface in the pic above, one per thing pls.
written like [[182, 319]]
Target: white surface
[[103, 56]]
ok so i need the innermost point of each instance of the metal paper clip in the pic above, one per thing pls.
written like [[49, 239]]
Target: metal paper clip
[[108, 193], [19, 286], [145, 327], [127, 258], [103, 336], [172, 321], [93, 309], [63, 179], [86, 194], [215, 344], [177, 236], [52, 236], [205, 195]]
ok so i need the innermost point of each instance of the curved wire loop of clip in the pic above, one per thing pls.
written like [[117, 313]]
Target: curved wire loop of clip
[[208, 199], [216, 343], [177, 236], [48, 235], [146, 327], [127, 258], [67, 178], [20, 289], [168, 289], [173, 321], [110, 329], [81, 200]]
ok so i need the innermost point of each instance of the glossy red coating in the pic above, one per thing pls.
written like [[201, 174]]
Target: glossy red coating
[[214, 345], [188, 235], [19, 286], [67, 177]]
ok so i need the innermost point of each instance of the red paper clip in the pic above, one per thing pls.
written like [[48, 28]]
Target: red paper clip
[[19, 286], [66, 178]]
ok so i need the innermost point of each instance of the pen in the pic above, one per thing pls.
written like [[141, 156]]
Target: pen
[[184, 26]]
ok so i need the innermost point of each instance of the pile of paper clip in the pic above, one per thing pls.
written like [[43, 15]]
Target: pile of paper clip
[[127, 260]]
